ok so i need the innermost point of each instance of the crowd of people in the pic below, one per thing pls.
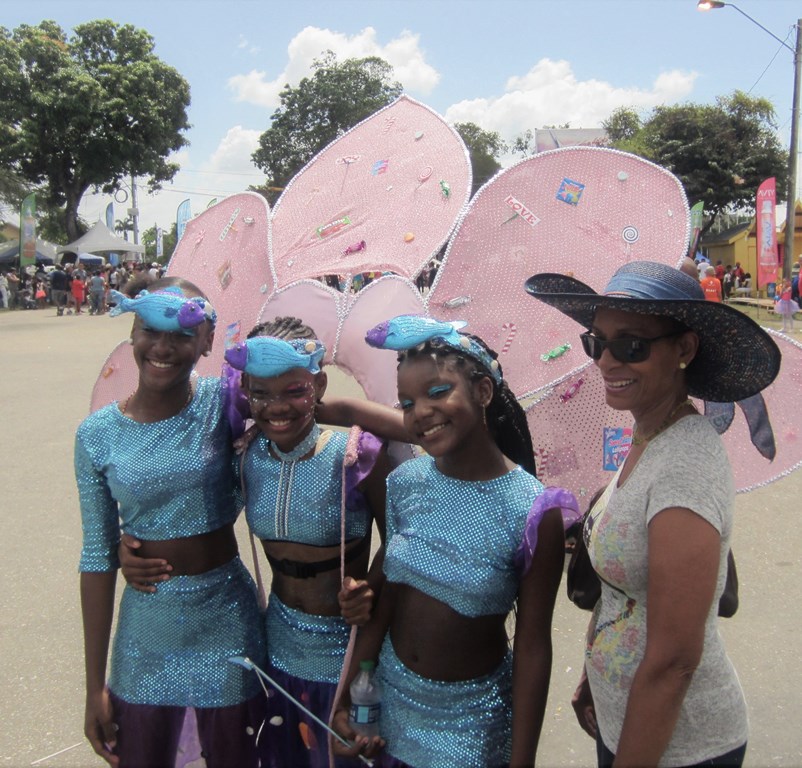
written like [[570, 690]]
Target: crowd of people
[[69, 288], [467, 533]]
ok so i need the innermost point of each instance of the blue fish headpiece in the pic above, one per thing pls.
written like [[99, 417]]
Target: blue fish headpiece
[[266, 356], [167, 310], [409, 331]]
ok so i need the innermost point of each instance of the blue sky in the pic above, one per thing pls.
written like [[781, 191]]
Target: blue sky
[[507, 66]]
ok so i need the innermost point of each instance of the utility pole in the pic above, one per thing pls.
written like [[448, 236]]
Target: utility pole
[[133, 211]]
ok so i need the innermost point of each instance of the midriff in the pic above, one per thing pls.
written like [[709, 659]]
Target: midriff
[[192, 555]]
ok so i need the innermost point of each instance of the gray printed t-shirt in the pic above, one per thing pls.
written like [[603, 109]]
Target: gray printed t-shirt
[[713, 718]]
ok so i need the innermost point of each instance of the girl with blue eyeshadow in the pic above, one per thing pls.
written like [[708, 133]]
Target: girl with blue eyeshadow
[[471, 533]]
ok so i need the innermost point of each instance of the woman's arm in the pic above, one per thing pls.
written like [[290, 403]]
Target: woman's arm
[[684, 552], [381, 420], [532, 648], [97, 608]]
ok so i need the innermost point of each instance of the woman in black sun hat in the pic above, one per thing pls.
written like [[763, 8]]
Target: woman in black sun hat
[[658, 687]]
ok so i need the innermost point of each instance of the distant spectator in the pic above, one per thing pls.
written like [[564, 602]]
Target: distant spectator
[[711, 284], [3, 291], [97, 293], [14, 286], [78, 288], [719, 271], [59, 285], [726, 282]]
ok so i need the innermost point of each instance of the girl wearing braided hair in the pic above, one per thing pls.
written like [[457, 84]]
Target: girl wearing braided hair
[[470, 534], [292, 477], [292, 473]]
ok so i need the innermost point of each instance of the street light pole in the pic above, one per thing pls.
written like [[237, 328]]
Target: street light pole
[[790, 217]]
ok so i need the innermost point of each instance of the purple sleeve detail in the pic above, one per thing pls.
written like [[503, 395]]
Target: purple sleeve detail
[[367, 453], [235, 401], [560, 498]]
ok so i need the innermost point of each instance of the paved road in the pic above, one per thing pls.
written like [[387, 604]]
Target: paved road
[[48, 367]]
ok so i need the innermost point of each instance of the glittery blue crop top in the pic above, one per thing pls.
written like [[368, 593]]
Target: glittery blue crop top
[[456, 540], [300, 501], [165, 480]]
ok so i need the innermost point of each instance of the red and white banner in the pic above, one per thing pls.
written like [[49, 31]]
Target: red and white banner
[[765, 210]]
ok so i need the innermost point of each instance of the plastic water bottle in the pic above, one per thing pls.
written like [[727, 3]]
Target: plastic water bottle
[[366, 702]]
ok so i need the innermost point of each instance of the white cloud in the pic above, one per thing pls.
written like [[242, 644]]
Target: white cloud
[[550, 94], [403, 53]]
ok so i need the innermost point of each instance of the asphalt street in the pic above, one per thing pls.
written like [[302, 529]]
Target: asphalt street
[[49, 365]]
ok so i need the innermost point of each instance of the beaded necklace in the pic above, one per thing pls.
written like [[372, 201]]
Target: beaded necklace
[[285, 479], [638, 440]]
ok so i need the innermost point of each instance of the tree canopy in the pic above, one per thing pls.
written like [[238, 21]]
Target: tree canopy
[[484, 148], [87, 111], [318, 110], [721, 153]]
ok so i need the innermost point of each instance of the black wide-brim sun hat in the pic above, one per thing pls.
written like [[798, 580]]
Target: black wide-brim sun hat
[[736, 357]]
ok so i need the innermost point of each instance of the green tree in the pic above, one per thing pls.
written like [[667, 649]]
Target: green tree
[[484, 148], [168, 243], [721, 153], [318, 110], [87, 111]]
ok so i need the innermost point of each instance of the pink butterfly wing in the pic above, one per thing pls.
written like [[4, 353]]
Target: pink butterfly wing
[[373, 199]]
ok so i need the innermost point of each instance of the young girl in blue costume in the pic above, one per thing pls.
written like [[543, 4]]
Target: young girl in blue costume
[[470, 534], [292, 476], [159, 466], [293, 481]]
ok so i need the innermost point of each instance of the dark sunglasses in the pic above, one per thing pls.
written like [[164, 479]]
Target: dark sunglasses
[[631, 349]]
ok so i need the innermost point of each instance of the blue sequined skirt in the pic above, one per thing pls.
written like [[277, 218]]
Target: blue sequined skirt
[[172, 647], [437, 724], [305, 645]]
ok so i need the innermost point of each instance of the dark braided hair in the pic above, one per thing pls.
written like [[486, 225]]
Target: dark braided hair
[[505, 416], [283, 328]]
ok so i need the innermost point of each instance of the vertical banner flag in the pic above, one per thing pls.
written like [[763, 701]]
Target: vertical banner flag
[[697, 219], [766, 233], [212, 202], [27, 231], [114, 258], [159, 242], [183, 215]]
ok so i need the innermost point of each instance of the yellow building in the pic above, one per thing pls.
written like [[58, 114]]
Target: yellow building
[[739, 244]]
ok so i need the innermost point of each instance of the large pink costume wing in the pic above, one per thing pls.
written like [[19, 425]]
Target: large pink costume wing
[[583, 211], [224, 251], [580, 441], [383, 197]]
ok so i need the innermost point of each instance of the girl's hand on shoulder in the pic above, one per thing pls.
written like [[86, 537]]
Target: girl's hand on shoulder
[[356, 601], [99, 726], [361, 745], [140, 573]]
